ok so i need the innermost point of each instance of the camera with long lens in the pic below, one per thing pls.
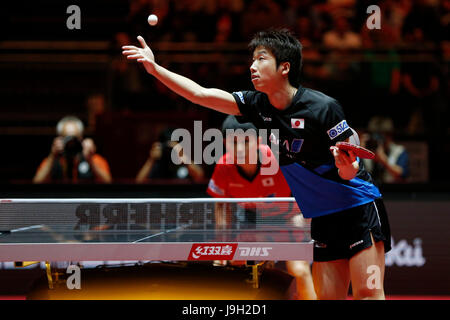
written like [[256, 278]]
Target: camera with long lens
[[374, 141], [72, 146]]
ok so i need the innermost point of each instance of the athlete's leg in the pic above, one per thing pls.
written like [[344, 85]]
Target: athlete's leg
[[367, 272], [302, 273], [331, 279]]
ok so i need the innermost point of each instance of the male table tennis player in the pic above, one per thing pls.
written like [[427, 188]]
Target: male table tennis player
[[237, 176], [349, 223]]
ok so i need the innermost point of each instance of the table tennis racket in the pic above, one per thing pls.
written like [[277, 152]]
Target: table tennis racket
[[357, 150]]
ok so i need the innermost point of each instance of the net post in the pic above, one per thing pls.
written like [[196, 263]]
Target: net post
[[49, 274]]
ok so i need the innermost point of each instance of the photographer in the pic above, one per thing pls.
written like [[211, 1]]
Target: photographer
[[159, 164], [72, 158], [391, 162]]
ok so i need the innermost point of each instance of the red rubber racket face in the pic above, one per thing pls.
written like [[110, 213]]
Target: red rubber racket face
[[358, 150]]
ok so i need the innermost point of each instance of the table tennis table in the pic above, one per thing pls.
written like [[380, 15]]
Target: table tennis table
[[182, 229]]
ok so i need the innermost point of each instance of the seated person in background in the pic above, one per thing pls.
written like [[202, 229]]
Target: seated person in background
[[244, 179], [391, 162], [72, 158], [159, 164]]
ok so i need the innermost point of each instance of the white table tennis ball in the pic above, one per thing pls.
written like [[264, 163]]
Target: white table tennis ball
[[152, 19]]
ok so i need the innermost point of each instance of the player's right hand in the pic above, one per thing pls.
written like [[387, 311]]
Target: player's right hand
[[143, 55], [57, 146], [346, 163]]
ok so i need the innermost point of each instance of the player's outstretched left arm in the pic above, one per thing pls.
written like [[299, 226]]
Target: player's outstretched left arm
[[212, 98]]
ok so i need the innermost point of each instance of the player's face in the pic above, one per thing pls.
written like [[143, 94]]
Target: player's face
[[263, 69], [243, 147]]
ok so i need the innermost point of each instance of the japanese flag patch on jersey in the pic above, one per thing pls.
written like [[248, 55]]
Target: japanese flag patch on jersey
[[297, 123], [268, 182]]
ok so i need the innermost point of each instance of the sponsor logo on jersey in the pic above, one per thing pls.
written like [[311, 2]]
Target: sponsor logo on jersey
[[241, 96], [297, 123], [297, 145], [338, 129], [254, 251], [214, 188], [212, 251], [267, 119]]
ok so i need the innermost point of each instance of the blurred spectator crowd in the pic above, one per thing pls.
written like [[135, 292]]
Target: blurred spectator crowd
[[316, 22]]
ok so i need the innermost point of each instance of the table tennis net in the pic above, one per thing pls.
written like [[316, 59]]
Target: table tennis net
[[134, 215]]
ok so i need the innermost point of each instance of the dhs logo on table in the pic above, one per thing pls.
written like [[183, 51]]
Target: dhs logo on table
[[254, 251], [338, 129], [212, 251]]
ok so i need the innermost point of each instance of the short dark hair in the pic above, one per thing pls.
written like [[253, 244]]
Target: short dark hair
[[284, 46], [234, 123]]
